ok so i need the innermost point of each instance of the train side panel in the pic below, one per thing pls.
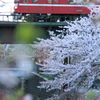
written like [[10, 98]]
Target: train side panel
[[54, 7], [51, 7]]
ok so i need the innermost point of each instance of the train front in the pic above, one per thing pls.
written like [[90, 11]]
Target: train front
[[17, 9]]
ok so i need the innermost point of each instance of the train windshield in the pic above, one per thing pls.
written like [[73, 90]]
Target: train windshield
[[17, 1]]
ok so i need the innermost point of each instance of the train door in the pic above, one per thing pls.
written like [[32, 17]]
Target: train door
[[48, 7], [35, 6]]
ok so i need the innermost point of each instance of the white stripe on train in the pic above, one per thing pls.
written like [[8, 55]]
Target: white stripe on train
[[58, 5]]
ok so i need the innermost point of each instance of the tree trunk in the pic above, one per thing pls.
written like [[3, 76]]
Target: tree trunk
[[73, 95], [81, 97]]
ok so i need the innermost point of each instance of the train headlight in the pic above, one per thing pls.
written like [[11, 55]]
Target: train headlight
[[16, 5]]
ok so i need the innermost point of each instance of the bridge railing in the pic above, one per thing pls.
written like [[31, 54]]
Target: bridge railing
[[11, 18]]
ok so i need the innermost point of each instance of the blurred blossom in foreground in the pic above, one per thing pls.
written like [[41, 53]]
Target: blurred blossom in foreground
[[28, 97], [8, 78], [25, 65], [24, 62], [15, 62]]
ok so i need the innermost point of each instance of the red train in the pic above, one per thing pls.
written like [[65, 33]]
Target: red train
[[51, 10]]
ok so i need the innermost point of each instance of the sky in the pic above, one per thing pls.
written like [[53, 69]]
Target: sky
[[6, 6]]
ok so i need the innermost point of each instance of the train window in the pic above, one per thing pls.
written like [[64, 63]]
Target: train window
[[56, 1], [70, 1], [34, 1], [49, 1], [25, 1]]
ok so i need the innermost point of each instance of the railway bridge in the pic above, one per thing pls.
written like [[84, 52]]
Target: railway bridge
[[8, 27]]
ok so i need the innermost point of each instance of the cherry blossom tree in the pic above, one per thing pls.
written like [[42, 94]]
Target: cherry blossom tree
[[72, 58]]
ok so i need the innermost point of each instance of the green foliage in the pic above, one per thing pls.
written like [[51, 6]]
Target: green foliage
[[20, 92], [27, 33], [16, 96], [48, 77], [91, 94], [11, 97]]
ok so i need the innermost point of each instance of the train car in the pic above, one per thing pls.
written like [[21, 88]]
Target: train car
[[50, 10]]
